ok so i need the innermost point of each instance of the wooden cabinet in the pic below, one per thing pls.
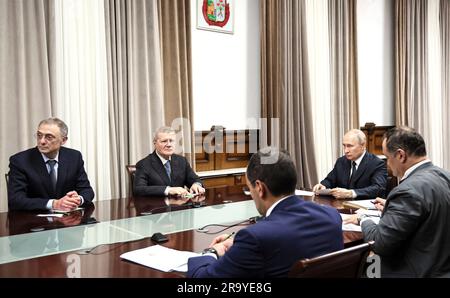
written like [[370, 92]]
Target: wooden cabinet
[[221, 156]]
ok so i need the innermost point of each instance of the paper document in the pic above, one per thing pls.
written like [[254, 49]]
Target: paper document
[[161, 258], [66, 212], [51, 215], [364, 204], [304, 193], [324, 192]]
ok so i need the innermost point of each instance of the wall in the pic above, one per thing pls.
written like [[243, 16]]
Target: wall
[[226, 70], [375, 23]]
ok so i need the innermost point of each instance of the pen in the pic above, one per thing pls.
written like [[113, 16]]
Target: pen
[[229, 236]]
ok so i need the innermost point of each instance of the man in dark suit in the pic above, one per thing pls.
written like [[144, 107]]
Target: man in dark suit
[[413, 235], [292, 228], [164, 173], [358, 174], [48, 176]]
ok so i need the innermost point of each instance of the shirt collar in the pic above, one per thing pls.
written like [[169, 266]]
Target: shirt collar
[[163, 160], [47, 159], [358, 161], [275, 204], [412, 168]]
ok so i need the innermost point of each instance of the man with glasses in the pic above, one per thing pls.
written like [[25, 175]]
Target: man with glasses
[[48, 176], [164, 173]]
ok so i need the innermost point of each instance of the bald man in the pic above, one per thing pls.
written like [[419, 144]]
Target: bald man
[[358, 174]]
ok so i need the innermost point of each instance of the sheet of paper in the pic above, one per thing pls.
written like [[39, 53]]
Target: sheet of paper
[[304, 193], [161, 258], [365, 204], [324, 192], [51, 215]]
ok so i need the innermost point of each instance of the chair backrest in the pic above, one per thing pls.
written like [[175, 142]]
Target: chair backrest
[[7, 178], [345, 263], [131, 169]]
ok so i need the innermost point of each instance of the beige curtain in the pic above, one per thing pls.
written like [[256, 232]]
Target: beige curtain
[[175, 39], [411, 63], [285, 90], [134, 83], [26, 49], [344, 72], [445, 64]]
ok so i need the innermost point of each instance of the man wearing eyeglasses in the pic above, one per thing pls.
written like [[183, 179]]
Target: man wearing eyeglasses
[[48, 176], [164, 173]]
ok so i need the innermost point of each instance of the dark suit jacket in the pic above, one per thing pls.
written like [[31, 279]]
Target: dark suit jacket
[[29, 186], [370, 179], [413, 236], [294, 230], [151, 178]]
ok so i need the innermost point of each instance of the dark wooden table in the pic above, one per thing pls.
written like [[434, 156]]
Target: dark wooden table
[[104, 260]]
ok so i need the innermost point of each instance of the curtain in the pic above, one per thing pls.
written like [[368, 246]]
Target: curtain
[[26, 64], [136, 106], [445, 77], [420, 72], [285, 90], [175, 40], [344, 72], [317, 25], [81, 90]]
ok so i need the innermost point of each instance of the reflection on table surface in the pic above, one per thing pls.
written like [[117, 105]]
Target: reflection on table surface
[[124, 224]]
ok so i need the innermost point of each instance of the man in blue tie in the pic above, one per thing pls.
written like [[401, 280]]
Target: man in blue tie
[[48, 176], [358, 174], [164, 173]]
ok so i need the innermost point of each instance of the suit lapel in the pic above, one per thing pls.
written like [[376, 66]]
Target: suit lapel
[[62, 172], [41, 171], [361, 169], [159, 168]]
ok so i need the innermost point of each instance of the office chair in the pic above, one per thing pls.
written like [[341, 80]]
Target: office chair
[[345, 263], [131, 170]]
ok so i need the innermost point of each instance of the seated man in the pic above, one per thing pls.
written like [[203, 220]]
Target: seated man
[[164, 173], [292, 228], [358, 174], [48, 176], [412, 237]]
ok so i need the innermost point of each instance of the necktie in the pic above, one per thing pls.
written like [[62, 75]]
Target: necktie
[[353, 172], [168, 168], [52, 172]]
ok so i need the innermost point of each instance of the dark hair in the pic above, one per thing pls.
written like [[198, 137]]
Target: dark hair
[[275, 168], [407, 139]]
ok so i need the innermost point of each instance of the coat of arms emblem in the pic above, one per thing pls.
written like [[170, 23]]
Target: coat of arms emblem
[[216, 12]]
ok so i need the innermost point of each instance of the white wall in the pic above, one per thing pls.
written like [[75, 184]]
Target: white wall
[[375, 23], [226, 70]]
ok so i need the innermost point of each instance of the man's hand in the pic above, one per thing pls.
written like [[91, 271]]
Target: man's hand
[[318, 187], [197, 188], [379, 203], [341, 193], [222, 243], [177, 191], [69, 202], [351, 219]]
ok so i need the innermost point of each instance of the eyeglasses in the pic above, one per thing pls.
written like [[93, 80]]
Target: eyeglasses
[[47, 137]]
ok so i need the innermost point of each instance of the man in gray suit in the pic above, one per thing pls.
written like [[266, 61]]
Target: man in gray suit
[[413, 235]]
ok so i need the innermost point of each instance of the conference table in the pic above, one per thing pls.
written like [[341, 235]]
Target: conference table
[[89, 242]]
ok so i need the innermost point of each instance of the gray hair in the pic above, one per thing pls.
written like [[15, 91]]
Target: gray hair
[[63, 129], [358, 134], [163, 129]]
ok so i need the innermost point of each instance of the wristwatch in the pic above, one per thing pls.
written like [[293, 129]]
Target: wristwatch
[[211, 250], [361, 217]]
